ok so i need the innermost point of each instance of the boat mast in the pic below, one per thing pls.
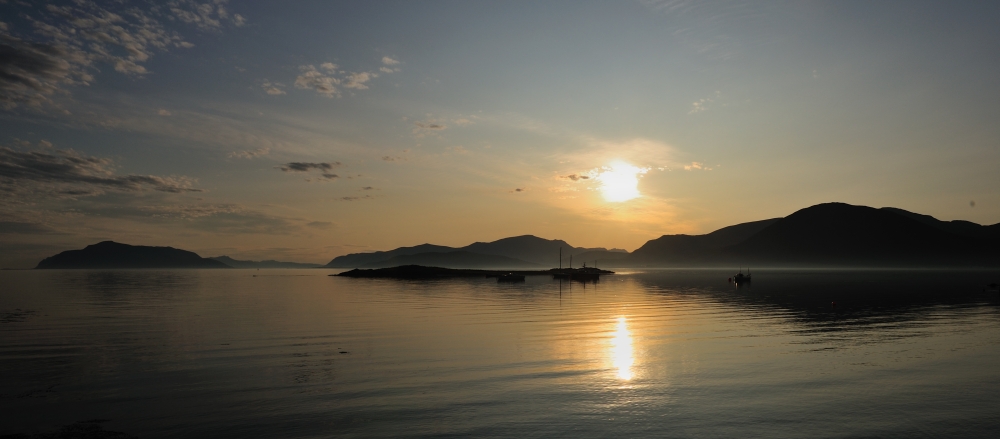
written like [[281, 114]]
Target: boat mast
[[560, 258]]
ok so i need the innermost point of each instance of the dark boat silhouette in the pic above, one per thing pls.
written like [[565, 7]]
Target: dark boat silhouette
[[510, 277], [585, 274], [741, 278]]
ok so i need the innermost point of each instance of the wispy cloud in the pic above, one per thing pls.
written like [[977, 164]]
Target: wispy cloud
[[320, 224], [66, 44], [353, 198], [68, 173], [227, 218], [388, 63], [576, 177], [210, 15], [357, 80], [424, 128], [323, 83], [696, 166], [249, 154], [328, 78], [26, 228], [189, 211], [31, 72], [273, 88], [430, 126], [703, 104]]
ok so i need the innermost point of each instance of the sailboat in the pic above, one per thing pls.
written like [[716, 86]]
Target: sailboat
[[586, 274], [740, 278]]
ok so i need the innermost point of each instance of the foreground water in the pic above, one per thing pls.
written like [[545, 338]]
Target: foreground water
[[672, 353]]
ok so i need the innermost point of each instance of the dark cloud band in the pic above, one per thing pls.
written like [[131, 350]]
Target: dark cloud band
[[69, 173], [323, 167]]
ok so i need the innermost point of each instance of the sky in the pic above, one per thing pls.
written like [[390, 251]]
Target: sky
[[301, 131]]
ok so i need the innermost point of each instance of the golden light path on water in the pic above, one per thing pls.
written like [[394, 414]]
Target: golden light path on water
[[620, 181], [621, 350]]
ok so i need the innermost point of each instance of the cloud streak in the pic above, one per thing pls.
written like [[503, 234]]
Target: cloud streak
[[324, 168], [30, 72], [249, 154], [576, 177], [422, 129], [353, 198], [697, 166], [68, 173]]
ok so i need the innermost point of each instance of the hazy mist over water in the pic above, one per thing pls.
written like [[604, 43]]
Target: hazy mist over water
[[656, 353]]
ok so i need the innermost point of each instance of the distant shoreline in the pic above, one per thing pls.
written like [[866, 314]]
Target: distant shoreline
[[422, 272]]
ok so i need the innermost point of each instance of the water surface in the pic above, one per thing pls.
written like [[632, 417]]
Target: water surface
[[668, 353]]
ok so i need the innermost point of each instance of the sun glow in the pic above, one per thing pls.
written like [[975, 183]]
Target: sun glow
[[620, 181], [621, 350]]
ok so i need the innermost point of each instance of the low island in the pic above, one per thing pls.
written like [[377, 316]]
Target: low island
[[422, 272]]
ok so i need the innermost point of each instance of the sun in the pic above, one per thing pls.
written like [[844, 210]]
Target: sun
[[620, 181]]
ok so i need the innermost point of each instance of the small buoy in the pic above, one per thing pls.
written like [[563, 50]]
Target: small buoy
[[833, 303]]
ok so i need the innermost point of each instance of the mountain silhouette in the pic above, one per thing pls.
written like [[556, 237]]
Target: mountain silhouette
[[694, 249], [957, 227], [355, 260], [455, 259], [110, 254], [829, 234], [532, 249], [236, 263], [522, 251], [842, 234]]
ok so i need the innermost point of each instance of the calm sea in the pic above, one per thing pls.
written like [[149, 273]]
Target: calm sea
[[671, 353]]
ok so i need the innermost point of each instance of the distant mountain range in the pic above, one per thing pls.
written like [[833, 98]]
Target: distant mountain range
[[110, 254], [831, 234], [235, 263], [525, 251]]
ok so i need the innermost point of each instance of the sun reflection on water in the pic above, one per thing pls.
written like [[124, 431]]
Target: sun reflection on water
[[621, 350]]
